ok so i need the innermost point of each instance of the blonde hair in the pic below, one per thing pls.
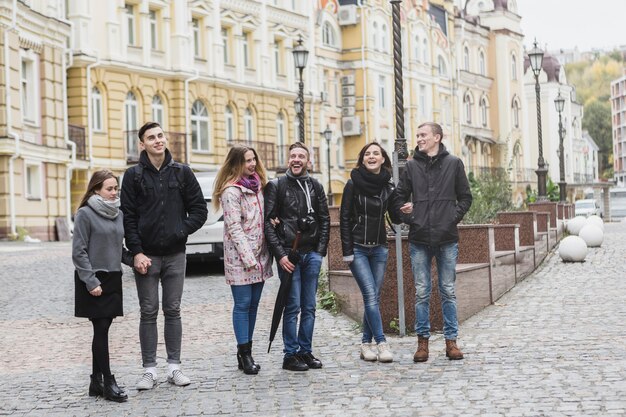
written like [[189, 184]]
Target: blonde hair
[[232, 170]]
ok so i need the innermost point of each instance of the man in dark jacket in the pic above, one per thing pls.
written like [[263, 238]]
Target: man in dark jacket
[[298, 202], [441, 196], [162, 204]]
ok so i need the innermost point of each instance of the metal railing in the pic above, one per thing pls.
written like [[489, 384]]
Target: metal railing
[[283, 159], [176, 143], [480, 171], [77, 135]]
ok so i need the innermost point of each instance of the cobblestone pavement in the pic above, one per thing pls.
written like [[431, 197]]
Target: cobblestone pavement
[[555, 345]]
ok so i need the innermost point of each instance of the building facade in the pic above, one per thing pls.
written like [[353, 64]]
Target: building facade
[[618, 112]]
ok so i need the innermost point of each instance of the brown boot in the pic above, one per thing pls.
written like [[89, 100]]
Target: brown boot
[[421, 355], [452, 351]]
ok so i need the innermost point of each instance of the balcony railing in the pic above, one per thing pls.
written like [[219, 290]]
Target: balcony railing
[[275, 158], [283, 152], [77, 135], [480, 171], [175, 144]]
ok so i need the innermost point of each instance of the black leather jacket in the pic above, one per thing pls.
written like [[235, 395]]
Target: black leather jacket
[[291, 207], [362, 218]]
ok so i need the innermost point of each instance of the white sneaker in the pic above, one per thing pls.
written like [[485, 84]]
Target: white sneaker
[[178, 378], [147, 381], [367, 354], [384, 354]]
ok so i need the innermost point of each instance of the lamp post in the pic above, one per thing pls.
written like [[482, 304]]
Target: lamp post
[[535, 57], [300, 56], [559, 102], [328, 136]]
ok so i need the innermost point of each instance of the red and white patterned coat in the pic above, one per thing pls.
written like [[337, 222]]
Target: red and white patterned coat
[[246, 256]]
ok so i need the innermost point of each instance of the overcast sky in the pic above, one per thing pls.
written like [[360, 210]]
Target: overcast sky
[[564, 24]]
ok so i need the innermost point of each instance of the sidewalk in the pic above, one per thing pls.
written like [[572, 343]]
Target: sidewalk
[[554, 345]]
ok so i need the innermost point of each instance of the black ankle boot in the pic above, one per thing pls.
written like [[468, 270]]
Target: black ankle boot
[[253, 361], [244, 356], [112, 392], [96, 386]]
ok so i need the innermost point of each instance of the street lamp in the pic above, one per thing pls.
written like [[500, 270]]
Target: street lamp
[[535, 56], [559, 102], [328, 134], [300, 56]]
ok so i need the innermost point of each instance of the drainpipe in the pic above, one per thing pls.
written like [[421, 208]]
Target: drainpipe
[[363, 11], [68, 60], [9, 118], [89, 111], [187, 119]]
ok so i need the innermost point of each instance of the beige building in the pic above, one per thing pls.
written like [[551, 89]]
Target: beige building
[[35, 153]]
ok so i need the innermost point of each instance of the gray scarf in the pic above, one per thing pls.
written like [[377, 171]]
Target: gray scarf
[[109, 209]]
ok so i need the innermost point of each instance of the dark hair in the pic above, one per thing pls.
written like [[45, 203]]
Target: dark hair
[[146, 126], [95, 183], [386, 163], [434, 127], [299, 145]]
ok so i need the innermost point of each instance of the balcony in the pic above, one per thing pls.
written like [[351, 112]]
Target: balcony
[[480, 171], [274, 157], [175, 144], [77, 135]]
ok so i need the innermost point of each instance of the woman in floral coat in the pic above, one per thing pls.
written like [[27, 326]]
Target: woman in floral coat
[[247, 262]]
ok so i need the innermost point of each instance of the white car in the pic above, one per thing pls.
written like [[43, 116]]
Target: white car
[[587, 208], [207, 243]]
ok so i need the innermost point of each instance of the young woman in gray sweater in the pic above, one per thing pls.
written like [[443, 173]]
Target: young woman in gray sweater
[[97, 253]]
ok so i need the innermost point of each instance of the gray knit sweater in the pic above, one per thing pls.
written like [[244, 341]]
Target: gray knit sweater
[[97, 245]]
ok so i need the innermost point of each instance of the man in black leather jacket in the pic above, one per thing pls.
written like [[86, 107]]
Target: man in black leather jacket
[[162, 204], [297, 202]]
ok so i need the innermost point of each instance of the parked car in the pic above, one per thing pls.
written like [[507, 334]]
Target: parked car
[[207, 244], [587, 208]]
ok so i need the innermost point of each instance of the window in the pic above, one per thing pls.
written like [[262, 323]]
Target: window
[[195, 27], [248, 125], [226, 45], [230, 124], [130, 124], [277, 63], [383, 38], [481, 63], [375, 35], [466, 59], [516, 111], [29, 93], [483, 112], [329, 38], [423, 100], [513, 67], [441, 66], [199, 127], [157, 110], [130, 25], [339, 150], [246, 50], [96, 109], [467, 105], [425, 51], [154, 33], [280, 138], [382, 92], [337, 90], [33, 181], [416, 49]]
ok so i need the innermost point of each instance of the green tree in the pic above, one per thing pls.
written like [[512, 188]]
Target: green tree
[[491, 194], [597, 121]]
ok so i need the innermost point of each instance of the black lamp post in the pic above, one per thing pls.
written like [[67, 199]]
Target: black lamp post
[[535, 57], [300, 56], [559, 102], [328, 134]]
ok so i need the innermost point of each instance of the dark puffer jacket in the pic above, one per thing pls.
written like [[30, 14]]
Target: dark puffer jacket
[[289, 208], [440, 194], [159, 211], [362, 218]]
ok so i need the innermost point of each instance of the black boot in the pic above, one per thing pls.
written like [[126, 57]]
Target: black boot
[[244, 356], [253, 361], [112, 392], [96, 386]]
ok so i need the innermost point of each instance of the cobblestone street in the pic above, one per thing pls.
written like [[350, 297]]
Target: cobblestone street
[[555, 345]]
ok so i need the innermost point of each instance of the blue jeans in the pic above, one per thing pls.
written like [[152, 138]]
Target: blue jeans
[[246, 299], [302, 299], [368, 269], [170, 271], [421, 258]]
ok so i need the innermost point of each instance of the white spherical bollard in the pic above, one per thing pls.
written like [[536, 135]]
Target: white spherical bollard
[[572, 249], [597, 220], [574, 225], [592, 235]]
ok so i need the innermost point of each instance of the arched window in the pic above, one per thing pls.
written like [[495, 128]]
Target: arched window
[[483, 112], [229, 122], [329, 38], [416, 48], [516, 112], [281, 139], [513, 67], [383, 38], [96, 109], [425, 51], [248, 125], [375, 35], [481, 63], [466, 59], [157, 110], [467, 105], [199, 127], [130, 124], [441, 64]]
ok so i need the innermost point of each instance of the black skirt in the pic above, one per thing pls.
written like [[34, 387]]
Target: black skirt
[[109, 304]]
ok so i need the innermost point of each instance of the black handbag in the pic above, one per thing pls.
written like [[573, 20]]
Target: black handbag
[[108, 304]]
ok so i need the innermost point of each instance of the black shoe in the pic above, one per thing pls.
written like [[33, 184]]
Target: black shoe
[[311, 361], [112, 392], [96, 386], [244, 357], [293, 363]]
